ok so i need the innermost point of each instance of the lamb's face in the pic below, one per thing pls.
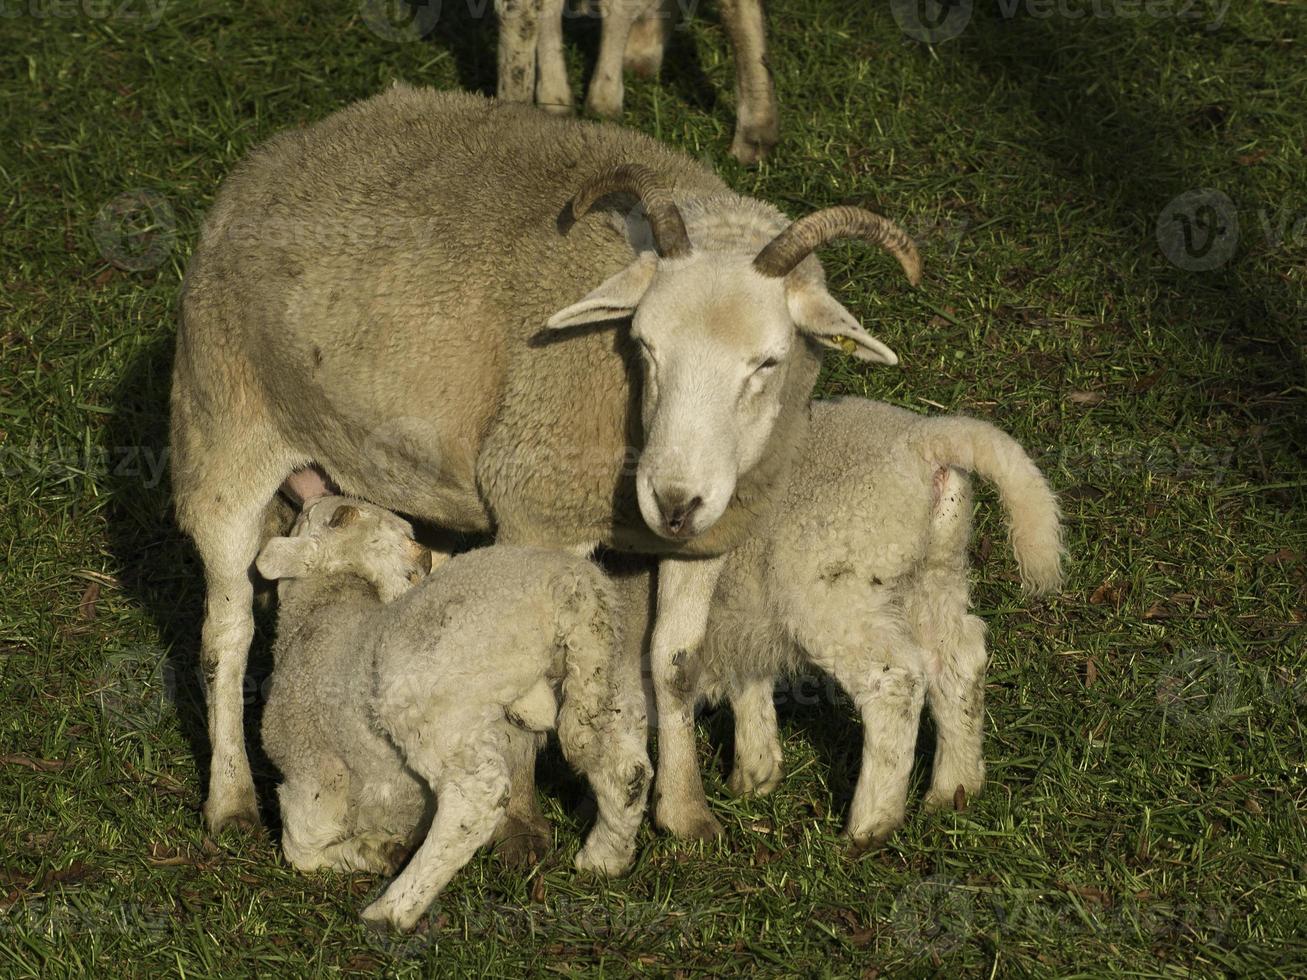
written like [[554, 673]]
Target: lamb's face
[[336, 535]]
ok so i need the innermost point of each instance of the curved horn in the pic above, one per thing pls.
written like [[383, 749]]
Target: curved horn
[[665, 219], [793, 245]]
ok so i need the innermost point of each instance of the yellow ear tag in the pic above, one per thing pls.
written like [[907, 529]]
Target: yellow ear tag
[[844, 343]]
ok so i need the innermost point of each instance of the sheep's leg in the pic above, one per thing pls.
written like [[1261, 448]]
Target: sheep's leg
[[519, 26], [685, 590], [553, 92], [757, 768], [525, 835], [471, 800], [757, 127], [648, 39], [606, 88], [221, 493], [956, 690]]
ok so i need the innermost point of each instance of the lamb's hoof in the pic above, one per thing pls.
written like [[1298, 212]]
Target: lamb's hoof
[[608, 864], [753, 782], [379, 919], [754, 140], [689, 823], [873, 838], [240, 814], [521, 843]]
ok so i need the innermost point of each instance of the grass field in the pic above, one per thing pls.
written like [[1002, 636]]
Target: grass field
[[1148, 748]]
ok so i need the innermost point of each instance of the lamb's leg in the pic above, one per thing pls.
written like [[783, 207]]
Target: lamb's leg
[[956, 690], [889, 698], [471, 800], [223, 481], [874, 660], [606, 88], [685, 590], [519, 25], [756, 125], [525, 835], [757, 766], [648, 39], [553, 92]]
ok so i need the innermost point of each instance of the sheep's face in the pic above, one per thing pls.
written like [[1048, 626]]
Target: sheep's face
[[340, 535], [716, 339]]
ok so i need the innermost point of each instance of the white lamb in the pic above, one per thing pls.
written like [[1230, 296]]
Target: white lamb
[[378, 703], [862, 571]]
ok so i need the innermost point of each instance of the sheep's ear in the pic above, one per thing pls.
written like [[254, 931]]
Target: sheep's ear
[[285, 558], [820, 316], [616, 298]]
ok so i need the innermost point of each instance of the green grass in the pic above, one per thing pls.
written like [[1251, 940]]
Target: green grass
[[1145, 810]]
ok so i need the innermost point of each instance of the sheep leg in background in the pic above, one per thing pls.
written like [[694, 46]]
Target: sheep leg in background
[[648, 39], [758, 767], [471, 783], [553, 92], [757, 127], [606, 88], [956, 690], [525, 836], [519, 25], [685, 590]]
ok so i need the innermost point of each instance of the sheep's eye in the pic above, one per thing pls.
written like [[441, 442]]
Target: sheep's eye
[[767, 364]]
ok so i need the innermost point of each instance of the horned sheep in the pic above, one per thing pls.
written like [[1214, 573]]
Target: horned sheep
[[385, 692], [493, 319], [862, 572]]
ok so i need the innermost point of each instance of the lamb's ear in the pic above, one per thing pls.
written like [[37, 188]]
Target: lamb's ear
[[285, 558], [820, 316], [613, 299]]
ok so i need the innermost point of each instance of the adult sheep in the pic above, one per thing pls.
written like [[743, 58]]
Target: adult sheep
[[375, 294]]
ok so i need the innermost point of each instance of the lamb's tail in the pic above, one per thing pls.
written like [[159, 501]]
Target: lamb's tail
[[1033, 517]]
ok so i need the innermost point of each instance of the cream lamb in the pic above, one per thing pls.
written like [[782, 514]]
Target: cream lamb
[[386, 691], [862, 571]]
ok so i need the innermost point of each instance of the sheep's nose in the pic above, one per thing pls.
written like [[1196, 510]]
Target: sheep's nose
[[677, 507]]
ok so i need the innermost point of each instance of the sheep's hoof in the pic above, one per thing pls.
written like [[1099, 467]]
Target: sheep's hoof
[[690, 823], [522, 843], [753, 782], [754, 139], [240, 814], [604, 104]]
